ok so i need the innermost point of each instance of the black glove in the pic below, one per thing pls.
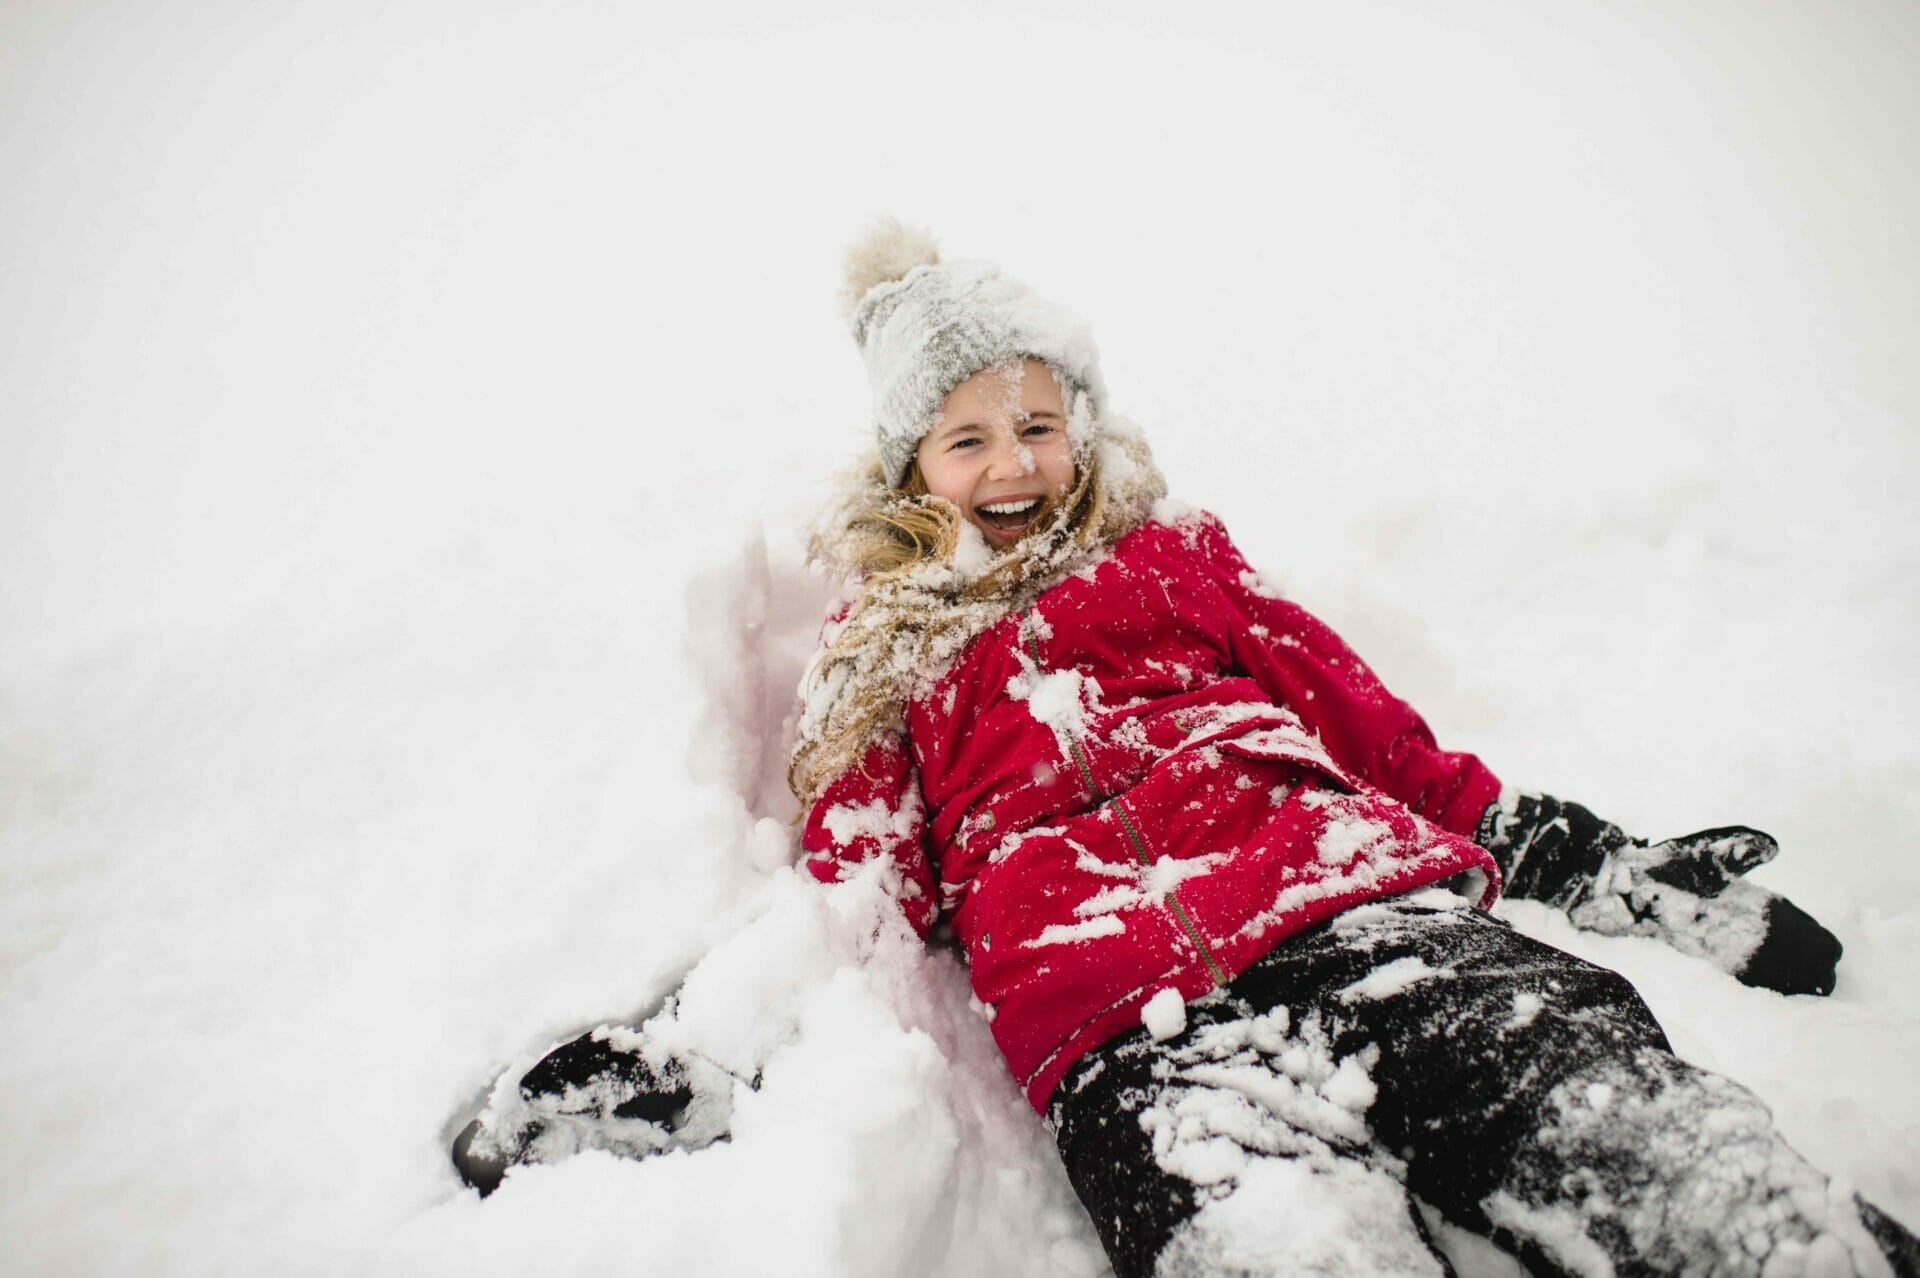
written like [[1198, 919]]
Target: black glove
[[1686, 891], [608, 1089]]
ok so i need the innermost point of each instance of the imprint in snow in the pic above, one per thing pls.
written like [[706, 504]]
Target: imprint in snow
[[872, 820], [1065, 933], [1165, 1015], [1392, 978], [1348, 837]]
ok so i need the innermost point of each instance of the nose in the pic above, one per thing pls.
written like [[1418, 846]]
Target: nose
[[1010, 458]]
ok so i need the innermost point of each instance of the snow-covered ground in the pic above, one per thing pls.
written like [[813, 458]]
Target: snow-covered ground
[[408, 414]]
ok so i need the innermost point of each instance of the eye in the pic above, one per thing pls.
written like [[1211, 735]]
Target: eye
[[1039, 428], [965, 442]]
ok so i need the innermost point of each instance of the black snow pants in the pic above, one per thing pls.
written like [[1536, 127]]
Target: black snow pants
[[1413, 1049]]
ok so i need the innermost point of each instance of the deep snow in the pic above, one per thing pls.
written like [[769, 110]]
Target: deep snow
[[408, 414]]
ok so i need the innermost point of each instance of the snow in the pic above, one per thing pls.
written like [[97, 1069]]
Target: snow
[[1071, 933], [1058, 699], [1715, 1141], [1526, 1006], [1331, 1220], [972, 554], [1346, 837], [1164, 1015], [409, 414], [1391, 978], [1561, 1232], [871, 820], [1259, 585], [1254, 1107]]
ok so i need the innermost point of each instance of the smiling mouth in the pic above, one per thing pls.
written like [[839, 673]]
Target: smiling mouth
[[1013, 516]]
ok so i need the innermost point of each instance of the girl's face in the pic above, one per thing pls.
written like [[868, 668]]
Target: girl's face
[[998, 449]]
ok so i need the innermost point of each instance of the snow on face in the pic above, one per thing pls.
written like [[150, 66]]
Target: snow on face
[[999, 449]]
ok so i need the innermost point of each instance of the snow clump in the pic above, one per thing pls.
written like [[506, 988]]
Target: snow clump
[[1165, 1015]]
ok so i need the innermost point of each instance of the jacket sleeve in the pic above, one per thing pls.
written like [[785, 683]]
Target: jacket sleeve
[[873, 811], [1299, 662]]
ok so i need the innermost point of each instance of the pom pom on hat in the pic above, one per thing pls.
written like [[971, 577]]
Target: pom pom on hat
[[883, 254], [924, 325]]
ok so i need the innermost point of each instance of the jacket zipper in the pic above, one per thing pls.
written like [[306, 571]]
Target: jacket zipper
[[1173, 901], [1169, 898]]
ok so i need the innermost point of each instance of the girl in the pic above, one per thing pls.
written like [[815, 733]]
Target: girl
[[1222, 897]]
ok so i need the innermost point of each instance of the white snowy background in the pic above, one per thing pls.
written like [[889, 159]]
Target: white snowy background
[[408, 416]]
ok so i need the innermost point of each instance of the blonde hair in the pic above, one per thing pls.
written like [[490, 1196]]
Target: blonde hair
[[915, 610], [900, 535]]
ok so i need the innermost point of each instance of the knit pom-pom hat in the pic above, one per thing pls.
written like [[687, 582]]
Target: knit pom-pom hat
[[924, 326]]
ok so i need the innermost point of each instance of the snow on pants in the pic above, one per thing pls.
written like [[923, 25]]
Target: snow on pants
[[1415, 1048]]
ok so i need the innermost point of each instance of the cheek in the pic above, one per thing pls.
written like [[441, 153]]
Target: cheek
[[946, 478], [1056, 466]]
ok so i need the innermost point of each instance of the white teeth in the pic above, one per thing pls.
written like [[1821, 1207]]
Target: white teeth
[[1010, 507]]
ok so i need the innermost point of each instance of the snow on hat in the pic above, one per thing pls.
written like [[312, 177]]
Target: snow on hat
[[924, 326]]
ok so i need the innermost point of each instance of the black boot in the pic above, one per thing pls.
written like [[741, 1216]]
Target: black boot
[[608, 1089], [1902, 1249]]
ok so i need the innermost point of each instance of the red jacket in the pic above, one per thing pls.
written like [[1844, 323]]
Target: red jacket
[[1147, 780]]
